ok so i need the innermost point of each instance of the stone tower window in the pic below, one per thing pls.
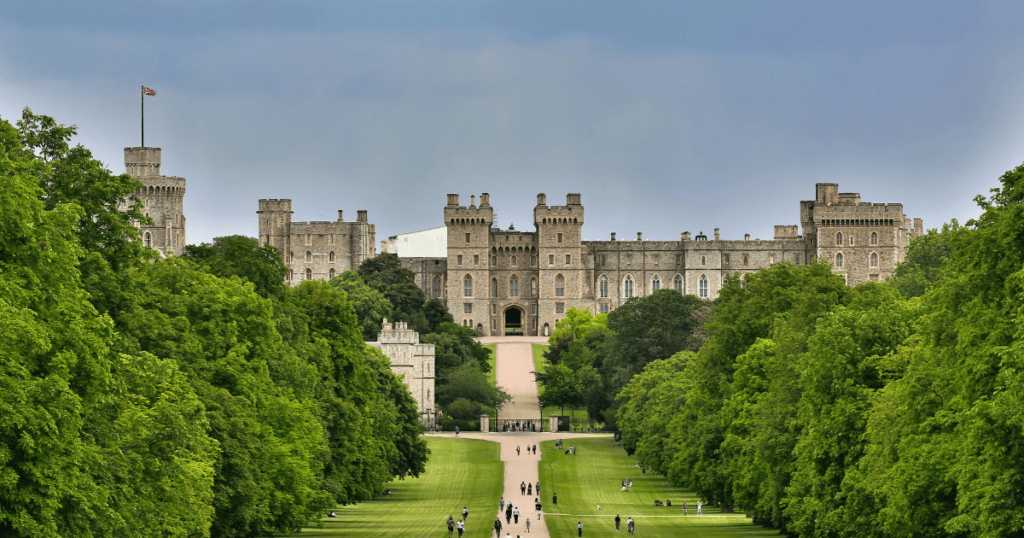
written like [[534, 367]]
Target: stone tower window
[[330, 239], [874, 238], [309, 239], [467, 308], [147, 240], [678, 283], [309, 274], [494, 260], [309, 256], [533, 260], [604, 260], [603, 286], [476, 259], [851, 240], [513, 287], [331, 273], [627, 287], [467, 286], [702, 285], [568, 259], [874, 260], [559, 238], [839, 238], [533, 288], [703, 260], [656, 284], [559, 286], [797, 259], [551, 259], [437, 287], [494, 287], [514, 260], [839, 259], [746, 259], [467, 238], [330, 258], [458, 260]]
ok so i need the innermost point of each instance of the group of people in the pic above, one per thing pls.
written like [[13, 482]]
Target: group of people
[[626, 484], [512, 512], [527, 489], [460, 524], [519, 426], [528, 449], [630, 525]]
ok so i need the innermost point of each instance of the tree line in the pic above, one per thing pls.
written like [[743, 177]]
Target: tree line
[[190, 396], [889, 409]]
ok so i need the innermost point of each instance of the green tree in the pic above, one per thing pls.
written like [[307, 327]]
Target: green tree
[[385, 274], [920, 268], [371, 307], [241, 256]]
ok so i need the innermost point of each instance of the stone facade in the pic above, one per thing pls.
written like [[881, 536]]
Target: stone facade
[[411, 361], [507, 281], [162, 199], [317, 250]]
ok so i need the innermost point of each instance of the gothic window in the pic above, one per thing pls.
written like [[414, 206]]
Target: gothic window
[[603, 285], [147, 240], [678, 283], [533, 260], [656, 259], [330, 257], [874, 260], [533, 309], [513, 261], [437, 287], [533, 288], [494, 287], [839, 238], [874, 238], [746, 259], [839, 260], [559, 286], [703, 260], [656, 284], [467, 286], [309, 256], [331, 239], [725, 259], [628, 287], [702, 285], [604, 260], [331, 273], [309, 274], [513, 287]]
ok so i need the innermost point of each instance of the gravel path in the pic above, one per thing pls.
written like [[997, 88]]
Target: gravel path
[[514, 364]]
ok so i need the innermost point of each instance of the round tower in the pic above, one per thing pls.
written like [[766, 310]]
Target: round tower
[[162, 201]]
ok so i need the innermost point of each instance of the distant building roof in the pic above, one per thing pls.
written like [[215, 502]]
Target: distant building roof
[[432, 243]]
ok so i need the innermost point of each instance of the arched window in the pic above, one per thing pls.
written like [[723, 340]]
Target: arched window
[[533, 287], [678, 283], [467, 286], [513, 260], [874, 238], [147, 240], [874, 260], [331, 273], [839, 260], [330, 257], [839, 238], [746, 259], [627, 287], [559, 286], [603, 285], [513, 287], [437, 287], [309, 256], [533, 260], [309, 274], [656, 284], [702, 285], [703, 260], [494, 287]]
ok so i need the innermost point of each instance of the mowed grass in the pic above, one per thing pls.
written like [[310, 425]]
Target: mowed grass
[[460, 472], [492, 375], [594, 476]]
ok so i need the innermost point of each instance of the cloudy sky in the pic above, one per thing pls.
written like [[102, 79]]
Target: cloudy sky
[[666, 116]]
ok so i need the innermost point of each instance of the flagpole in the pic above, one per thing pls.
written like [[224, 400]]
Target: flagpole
[[142, 99]]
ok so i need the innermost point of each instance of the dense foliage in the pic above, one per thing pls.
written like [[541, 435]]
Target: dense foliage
[[191, 396], [886, 410]]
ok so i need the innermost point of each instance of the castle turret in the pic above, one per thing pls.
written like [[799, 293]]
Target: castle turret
[[162, 200], [468, 259]]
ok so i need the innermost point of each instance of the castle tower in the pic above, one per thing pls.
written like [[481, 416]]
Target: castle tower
[[563, 283], [468, 259], [162, 199], [412, 361], [275, 226]]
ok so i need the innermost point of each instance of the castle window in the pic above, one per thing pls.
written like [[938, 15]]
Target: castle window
[[551, 259], [330, 257], [458, 260], [703, 260], [330, 239], [604, 308], [559, 286], [874, 260], [467, 286], [331, 273], [309, 256], [874, 238], [702, 285], [514, 260], [559, 308], [771, 260], [851, 240], [559, 238], [437, 287], [533, 288], [476, 259], [494, 310], [568, 259], [725, 259], [839, 260], [533, 260], [147, 240], [678, 283], [656, 284], [627, 287], [513, 287], [467, 308], [839, 238], [746, 259], [309, 239], [291, 275], [309, 274], [656, 260], [604, 260], [797, 259], [603, 286], [494, 260], [494, 287], [467, 238]]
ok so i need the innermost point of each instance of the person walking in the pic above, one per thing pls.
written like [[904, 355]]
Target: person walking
[[517, 450], [462, 527], [508, 514], [515, 515], [522, 488], [529, 489], [451, 526], [630, 525], [501, 504], [579, 529], [536, 504], [684, 508], [465, 513], [699, 506], [617, 521], [538, 488], [554, 500], [527, 525], [497, 526]]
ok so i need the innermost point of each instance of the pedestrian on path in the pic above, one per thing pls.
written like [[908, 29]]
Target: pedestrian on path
[[535, 449], [554, 500], [538, 488], [538, 507], [522, 488], [617, 520], [501, 504], [579, 529], [630, 525], [529, 489], [497, 526], [508, 515], [462, 527], [465, 513], [451, 526], [527, 525], [515, 515], [517, 450]]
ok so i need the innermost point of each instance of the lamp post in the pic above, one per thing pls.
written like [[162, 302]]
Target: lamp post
[[541, 418], [496, 417]]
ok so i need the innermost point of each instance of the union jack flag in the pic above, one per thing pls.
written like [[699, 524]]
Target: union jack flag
[[148, 91]]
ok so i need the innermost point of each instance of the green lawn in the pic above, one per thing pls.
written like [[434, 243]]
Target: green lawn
[[460, 472], [593, 477], [492, 376]]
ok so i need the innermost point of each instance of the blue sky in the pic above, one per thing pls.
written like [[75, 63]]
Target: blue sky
[[666, 116]]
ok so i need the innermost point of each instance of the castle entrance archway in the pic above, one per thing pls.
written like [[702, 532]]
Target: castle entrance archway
[[515, 321]]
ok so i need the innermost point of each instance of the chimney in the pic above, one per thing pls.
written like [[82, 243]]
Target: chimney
[[686, 236], [716, 234], [746, 237], [340, 219], [453, 199], [485, 200], [639, 236], [361, 215], [613, 236], [542, 199], [472, 200]]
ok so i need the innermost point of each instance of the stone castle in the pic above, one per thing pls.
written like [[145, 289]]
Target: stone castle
[[410, 360], [162, 200]]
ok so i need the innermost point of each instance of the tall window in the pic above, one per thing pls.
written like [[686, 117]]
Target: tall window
[[309, 274], [678, 283], [568, 259], [476, 259], [725, 259], [839, 260], [603, 286], [467, 237], [559, 308], [627, 287], [604, 308], [309, 256], [559, 238], [533, 260], [467, 308], [458, 260], [559, 286], [331, 273], [874, 238], [513, 261], [839, 238], [703, 260], [851, 240], [551, 259], [147, 240], [467, 286], [437, 287], [702, 285], [513, 287], [874, 260], [494, 287], [656, 284], [330, 257], [746, 259], [533, 288], [798, 259]]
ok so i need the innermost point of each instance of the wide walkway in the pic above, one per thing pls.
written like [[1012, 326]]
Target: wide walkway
[[514, 366]]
